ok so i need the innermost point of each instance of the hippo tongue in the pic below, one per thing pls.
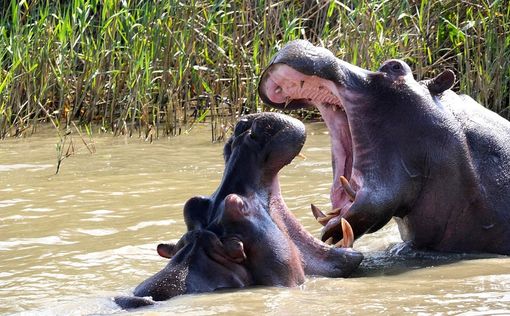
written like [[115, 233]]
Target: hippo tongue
[[341, 150]]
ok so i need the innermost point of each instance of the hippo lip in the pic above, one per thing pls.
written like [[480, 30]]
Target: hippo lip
[[285, 87]]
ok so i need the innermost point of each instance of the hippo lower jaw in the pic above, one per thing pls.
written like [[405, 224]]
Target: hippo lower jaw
[[318, 258]]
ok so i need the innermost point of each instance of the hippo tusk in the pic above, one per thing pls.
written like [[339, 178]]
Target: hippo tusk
[[317, 213], [348, 235], [347, 188], [322, 218]]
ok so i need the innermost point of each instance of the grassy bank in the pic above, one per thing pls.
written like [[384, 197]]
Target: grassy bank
[[153, 68]]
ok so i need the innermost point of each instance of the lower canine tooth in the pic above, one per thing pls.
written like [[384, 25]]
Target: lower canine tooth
[[348, 235]]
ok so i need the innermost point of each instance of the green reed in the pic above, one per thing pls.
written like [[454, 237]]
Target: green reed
[[154, 68]]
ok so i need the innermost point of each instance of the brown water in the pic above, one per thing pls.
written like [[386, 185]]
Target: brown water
[[70, 242]]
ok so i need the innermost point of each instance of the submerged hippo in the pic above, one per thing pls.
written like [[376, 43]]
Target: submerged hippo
[[437, 162], [244, 234]]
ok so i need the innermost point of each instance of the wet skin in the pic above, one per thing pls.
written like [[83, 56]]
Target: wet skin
[[243, 234], [436, 161]]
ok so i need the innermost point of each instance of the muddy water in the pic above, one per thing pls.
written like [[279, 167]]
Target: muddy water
[[70, 242]]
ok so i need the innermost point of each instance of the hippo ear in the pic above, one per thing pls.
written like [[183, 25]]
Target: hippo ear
[[441, 82], [196, 212], [167, 250]]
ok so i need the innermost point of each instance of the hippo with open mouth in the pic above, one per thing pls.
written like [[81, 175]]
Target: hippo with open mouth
[[437, 162], [244, 234]]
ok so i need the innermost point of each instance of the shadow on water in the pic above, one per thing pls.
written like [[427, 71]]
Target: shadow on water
[[401, 258]]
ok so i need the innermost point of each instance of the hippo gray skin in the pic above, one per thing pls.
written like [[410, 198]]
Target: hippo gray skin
[[244, 234], [437, 162]]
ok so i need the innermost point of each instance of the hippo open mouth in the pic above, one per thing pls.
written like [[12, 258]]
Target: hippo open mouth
[[289, 83], [244, 234], [405, 149]]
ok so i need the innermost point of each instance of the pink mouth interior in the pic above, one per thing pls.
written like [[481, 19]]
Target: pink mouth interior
[[283, 84]]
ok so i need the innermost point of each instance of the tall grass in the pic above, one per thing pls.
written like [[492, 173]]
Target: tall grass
[[154, 68]]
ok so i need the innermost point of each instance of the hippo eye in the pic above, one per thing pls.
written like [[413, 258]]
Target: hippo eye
[[396, 67]]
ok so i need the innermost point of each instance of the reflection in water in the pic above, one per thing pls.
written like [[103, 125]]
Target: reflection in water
[[70, 242]]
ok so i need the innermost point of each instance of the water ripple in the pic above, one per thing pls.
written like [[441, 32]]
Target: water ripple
[[11, 202], [151, 223], [20, 166], [14, 243]]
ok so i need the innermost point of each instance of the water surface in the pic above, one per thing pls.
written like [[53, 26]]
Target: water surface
[[69, 242]]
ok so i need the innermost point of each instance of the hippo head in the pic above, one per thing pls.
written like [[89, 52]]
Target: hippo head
[[379, 170], [243, 234]]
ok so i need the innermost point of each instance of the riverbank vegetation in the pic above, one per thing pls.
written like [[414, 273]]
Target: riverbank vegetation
[[154, 68]]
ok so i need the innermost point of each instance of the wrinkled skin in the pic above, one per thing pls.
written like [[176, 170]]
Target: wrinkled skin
[[244, 234], [437, 162]]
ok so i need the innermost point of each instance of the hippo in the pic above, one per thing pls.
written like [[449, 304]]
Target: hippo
[[435, 161], [244, 234]]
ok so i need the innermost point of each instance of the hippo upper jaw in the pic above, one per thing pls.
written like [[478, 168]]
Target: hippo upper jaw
[[302, 75]]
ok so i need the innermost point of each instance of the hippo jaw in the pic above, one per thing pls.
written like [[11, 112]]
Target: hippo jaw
[[261, 146], [302, 75], [244, 233]]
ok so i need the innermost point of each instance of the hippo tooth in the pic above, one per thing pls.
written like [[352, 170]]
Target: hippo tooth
[[317, 213], [347, 188], [348, 235], [278, 90], [322, 218], [302, 156]]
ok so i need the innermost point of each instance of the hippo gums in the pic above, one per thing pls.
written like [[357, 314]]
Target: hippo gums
[[243, 234], [438, 162]]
